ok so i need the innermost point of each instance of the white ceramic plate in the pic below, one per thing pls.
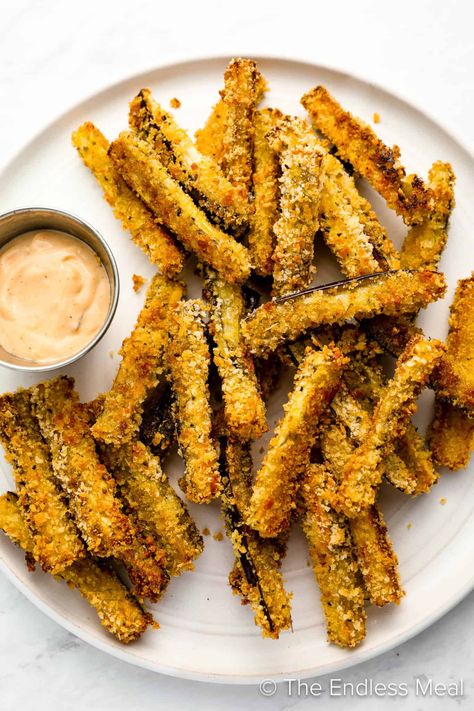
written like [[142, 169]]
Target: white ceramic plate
[[205, 633]]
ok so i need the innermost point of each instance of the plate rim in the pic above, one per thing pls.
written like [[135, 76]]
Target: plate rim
[[104, 645]]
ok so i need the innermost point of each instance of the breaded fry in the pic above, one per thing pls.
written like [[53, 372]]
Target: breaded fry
[[334, 563], [56, 542], [362, 473], [152, 238], [156, 509], [425, 242], [142, 364], [256, 576], [244, 410], [301, 182], [274, 492], [379, 164], [199, 175], [351, 229], [454, 378], [188, 361], [266, 190], [240, 96], [137, 163], [118, 611], [90, 489], [390, 293], [451, 436], [377, 559]]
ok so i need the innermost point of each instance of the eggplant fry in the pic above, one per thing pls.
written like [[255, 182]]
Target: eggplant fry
[[137, 163], [90, 489], [274, 492], [188, 361], [301, 182], [388, 293], [244, 410], [379, 164], [334, 562], [199, 175], [424, 243], [136, 218], [377, 559], [240, 96], [351, 229], [151, 501], [56, 542], [454, 378], [157, 429], [266, 191], [118, 611], [451, 436], [142, 364], [256, 576], [362, 473]]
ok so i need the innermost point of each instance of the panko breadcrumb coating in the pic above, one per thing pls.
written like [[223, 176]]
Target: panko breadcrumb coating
[[301, 183], [56, 542], [379, 164], [119, 612], [188, 361], [451, 435], [266, 190], [274, 492], [391, 293], [90, 489], [137, 163], [244, 410], [256, 576], [362, 473], [157, 510], [335, 566], [142, 363], [454, 378], [135, 217], [241, 93], [199, 175]]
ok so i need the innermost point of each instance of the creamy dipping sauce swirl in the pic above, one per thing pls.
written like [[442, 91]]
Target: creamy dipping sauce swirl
[[54, 296]]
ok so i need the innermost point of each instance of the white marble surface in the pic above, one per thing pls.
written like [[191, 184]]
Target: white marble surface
[[53, 53]]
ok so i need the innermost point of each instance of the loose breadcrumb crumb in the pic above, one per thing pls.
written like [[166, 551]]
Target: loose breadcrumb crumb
[[175, 103], [138, 282], [206, 531], [409, 525], [376, 117], [218, 536], [443, 501]]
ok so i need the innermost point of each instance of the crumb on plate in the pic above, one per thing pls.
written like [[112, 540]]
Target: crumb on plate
[[138, 282]]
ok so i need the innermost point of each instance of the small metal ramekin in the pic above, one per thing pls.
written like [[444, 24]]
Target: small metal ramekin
[[17, 222]]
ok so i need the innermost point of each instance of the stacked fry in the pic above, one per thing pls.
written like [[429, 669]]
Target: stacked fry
[[251, 197]]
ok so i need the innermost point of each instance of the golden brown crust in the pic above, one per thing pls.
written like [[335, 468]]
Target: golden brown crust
[[265, 185], [274, 493], [137, 163], [210, 138], [141, 366], [188, 361], [90, 489], [424, 243], [135, 217], [451, 435], [454, 379], [198, 174], [118, 611], [392, 293], [157, 510], [379, 164], [56, 541], [334, 563], [362, 473], [302, 178], [240, 96], [244, 410]]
